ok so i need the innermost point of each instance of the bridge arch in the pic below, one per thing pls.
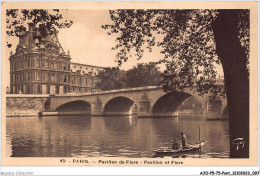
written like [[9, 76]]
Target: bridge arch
[[118, 106], [79, 106], [169, 102]]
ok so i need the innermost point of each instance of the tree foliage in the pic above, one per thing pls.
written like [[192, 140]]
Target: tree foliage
[[44, 22], [187, 44], [143, 75], [139, 76], [111, 78]]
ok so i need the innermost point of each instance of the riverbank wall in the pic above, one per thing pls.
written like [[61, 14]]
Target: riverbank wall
[[19, 105]]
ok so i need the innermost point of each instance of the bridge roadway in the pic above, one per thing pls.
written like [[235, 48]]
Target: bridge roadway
[[141, 101]]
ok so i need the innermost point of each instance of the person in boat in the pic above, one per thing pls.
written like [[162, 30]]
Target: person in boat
[[184, 142], [176, 145]]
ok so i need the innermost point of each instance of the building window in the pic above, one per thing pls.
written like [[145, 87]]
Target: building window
[[65, 78], [57, 90], [48, 89], [44, 77], [33, 63], [21, 77], [52, 77], [38, 88], [56, 78], [43, 64], [29, 76], [38, 76], [33, 75], [46, 64], [28, 89], [13, 78], [18, 77], [60, 66], [65, 89], [28, 62], [38, 63]]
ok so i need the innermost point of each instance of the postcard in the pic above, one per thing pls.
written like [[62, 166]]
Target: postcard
[[129, 84]]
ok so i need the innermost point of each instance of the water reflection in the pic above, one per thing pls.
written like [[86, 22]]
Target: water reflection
[[86, 136]]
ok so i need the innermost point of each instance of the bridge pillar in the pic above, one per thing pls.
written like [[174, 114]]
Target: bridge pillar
[[144, 106], [134, 109], [214, 110], [96, 107]]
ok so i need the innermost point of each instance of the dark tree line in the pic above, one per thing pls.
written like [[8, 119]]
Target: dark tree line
[[139, 76]]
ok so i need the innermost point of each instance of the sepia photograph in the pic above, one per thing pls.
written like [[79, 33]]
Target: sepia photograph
[[101, 83]]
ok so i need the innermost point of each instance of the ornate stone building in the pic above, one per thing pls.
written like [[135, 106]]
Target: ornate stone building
[[45, 68], [83, 77]]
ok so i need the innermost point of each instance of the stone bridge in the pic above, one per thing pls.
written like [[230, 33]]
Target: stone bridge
[[142, 101]]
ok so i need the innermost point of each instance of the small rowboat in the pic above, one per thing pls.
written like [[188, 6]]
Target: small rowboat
[[170, 151]]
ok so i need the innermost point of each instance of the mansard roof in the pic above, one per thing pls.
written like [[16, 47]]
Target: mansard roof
[[29, 42]]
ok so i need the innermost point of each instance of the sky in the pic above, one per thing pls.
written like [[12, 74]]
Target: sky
[[89, 44]]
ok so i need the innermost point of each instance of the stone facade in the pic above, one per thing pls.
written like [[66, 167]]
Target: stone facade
[[83, 77], [45, 68]]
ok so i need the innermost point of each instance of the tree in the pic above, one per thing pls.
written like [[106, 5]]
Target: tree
[[44, 22], [193, 42], [139, 76], [143, 75], [111, 78]]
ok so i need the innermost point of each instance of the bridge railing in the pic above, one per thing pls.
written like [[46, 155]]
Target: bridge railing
[[109, 91]]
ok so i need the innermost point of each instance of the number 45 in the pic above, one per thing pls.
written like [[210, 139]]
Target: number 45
[[62, 160]]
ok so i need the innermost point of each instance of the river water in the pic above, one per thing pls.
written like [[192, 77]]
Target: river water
[[107, 136]]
